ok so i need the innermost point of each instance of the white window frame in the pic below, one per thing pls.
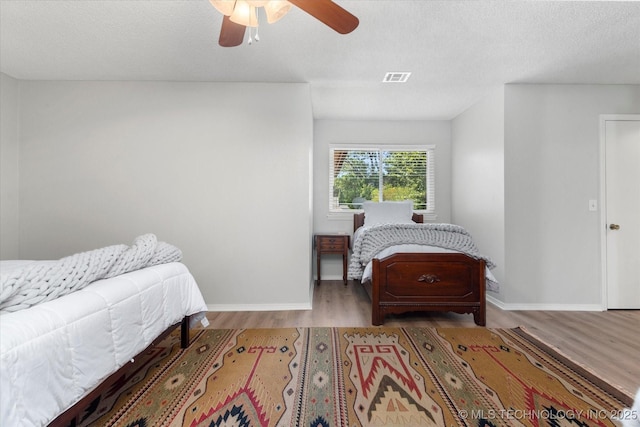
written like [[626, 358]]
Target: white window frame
[[430, 177]]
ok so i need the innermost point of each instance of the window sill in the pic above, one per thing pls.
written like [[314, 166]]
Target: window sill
[[348, 215]]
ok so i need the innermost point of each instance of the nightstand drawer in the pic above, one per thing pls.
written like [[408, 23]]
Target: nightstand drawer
[[337, 246], [332, 243], [332, 240]]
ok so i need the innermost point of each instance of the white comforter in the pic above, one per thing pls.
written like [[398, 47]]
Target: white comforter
[[56, 352], [37, 282]]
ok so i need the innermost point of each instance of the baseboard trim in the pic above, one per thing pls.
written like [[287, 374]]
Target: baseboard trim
[[543, 306], [259, 307], [328, 277], [501, 305]]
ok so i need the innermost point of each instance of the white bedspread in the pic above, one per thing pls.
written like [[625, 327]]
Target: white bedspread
[[38, 282], [56, 352]]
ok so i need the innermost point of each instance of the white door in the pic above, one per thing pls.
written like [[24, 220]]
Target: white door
[[622, 174]]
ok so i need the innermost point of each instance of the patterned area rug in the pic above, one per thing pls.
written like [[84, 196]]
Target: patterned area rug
[[358, 377]]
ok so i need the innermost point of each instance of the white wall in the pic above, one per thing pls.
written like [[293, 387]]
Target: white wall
[[552, 240], [98, 163], [328, 132], [477, 177], [525, 163], [222, 171], [9, 119]]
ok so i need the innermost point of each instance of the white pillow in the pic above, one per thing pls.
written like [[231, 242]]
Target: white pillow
[[387, 213]]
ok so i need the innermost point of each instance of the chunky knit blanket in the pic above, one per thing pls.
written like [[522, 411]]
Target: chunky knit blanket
[[374, 239], [47, 280]]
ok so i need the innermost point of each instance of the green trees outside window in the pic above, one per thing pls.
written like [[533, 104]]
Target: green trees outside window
[[359, 175]]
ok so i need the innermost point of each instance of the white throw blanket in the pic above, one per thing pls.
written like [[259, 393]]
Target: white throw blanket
[[372, 240], [44, 281]]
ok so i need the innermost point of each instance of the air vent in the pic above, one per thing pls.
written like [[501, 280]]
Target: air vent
[[396, 77]]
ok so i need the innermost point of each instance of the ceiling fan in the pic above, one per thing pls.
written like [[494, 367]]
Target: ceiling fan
[[240, 14]]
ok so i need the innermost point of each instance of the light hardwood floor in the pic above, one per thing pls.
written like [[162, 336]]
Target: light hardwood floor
[[607, 343]]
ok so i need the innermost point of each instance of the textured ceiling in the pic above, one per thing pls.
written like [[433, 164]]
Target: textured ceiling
[[457, 51]]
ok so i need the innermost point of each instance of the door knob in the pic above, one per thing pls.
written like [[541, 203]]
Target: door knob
[[614, 227]]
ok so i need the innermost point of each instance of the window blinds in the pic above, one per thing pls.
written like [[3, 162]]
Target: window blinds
[[383, 173]]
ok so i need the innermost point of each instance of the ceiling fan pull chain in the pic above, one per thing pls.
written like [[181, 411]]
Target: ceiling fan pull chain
[[251, 36], [257, 37]]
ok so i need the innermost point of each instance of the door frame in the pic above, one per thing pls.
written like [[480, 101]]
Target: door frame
[[604, 118]]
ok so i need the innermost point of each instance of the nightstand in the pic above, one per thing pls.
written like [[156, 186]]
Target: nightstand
[[333, 244]]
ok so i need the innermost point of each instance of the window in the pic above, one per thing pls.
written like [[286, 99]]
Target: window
[[381, 173]]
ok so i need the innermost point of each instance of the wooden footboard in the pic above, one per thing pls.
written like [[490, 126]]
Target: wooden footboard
[[70, 417], [428, 282]]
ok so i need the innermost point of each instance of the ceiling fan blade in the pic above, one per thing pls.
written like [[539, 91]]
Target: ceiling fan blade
[[329, 13], [231, 34]]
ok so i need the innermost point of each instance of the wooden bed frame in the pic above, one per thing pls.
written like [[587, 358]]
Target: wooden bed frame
[[406, 282], [72, 416]]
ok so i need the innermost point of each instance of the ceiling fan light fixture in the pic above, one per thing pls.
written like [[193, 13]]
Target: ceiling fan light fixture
[[223, 6], [276, 9], [244, 14], [240, 14]]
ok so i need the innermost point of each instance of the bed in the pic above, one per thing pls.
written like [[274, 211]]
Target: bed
[[57, 355], [405, 268]]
